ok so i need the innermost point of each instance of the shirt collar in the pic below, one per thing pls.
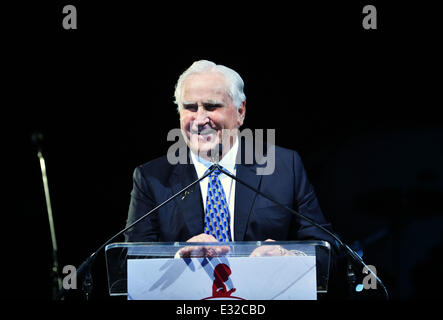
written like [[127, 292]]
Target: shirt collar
[[227, 162]]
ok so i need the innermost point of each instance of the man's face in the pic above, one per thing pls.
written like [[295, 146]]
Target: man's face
[[206, 110]]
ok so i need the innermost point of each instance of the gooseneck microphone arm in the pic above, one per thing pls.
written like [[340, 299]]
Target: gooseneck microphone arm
[[84, 270], [351, 253]]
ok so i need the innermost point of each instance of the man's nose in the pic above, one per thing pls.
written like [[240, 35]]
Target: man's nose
[[201, 117]]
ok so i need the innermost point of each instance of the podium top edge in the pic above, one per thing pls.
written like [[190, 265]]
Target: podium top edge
[[231, 244]]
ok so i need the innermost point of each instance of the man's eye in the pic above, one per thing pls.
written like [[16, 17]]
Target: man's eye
[[212, 106], [190, 107]]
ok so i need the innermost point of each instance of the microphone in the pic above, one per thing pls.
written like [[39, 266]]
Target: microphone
[[84, 270], [37, 138], [351, 253]]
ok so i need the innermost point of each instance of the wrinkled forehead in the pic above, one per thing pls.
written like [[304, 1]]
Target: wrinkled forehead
[[201, 87]]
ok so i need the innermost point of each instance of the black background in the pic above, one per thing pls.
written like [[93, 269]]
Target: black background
[[362, 107]]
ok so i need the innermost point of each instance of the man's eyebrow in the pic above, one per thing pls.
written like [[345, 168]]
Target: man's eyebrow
[[212, 102], [207, 102]]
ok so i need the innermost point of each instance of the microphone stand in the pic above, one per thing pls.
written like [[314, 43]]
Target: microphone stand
[[352, 255], [84, 270], [56, 280]]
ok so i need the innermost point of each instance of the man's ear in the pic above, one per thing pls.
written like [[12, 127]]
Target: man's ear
[[241, 113]]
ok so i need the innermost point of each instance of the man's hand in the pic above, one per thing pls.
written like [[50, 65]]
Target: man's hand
[[203, 251], [202, 237], [270, 251]]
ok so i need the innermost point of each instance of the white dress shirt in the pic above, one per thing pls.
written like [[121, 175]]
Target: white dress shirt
[[228, 184]]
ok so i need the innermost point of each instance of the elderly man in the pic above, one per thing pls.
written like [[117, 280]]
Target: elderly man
[[211, 102]]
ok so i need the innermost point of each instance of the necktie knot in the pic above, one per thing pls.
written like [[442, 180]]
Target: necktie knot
[[215, 173]]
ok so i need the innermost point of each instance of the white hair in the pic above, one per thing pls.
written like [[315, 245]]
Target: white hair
[[234, 81]]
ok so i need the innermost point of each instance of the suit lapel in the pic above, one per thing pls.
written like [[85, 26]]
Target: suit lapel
[[190, 203], [244, 198]]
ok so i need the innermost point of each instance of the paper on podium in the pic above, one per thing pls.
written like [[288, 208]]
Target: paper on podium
[[249, 278]]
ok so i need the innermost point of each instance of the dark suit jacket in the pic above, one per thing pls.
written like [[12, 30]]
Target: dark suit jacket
[[255, 218]]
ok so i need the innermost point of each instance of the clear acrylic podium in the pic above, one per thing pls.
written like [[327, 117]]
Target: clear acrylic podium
[[121, 256]]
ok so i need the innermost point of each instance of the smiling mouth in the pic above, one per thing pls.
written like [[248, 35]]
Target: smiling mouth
[[205, 132], [203, 136]]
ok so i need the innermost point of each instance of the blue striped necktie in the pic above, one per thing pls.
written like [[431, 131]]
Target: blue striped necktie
[[217, 218]]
